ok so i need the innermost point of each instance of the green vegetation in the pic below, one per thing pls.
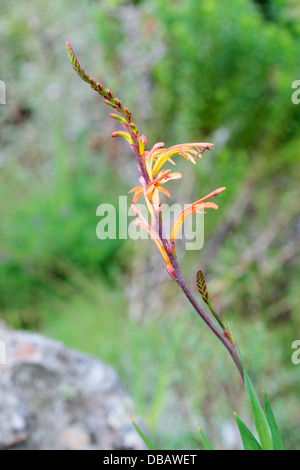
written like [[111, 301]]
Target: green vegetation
[[111, 298]]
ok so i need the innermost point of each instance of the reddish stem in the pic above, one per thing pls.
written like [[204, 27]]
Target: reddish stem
[[221, 335]]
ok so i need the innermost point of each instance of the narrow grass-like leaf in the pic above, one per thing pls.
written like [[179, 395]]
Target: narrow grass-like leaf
[[260, 420], [249, 441], [206, 443], [142, 435], [278, 445]]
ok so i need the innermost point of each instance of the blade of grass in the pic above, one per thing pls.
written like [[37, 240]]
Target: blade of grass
[[278, 445], [249, 441], [260, 420], [206, 443], [142, 435]]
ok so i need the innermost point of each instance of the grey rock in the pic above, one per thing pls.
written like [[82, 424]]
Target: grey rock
[[56, 398]]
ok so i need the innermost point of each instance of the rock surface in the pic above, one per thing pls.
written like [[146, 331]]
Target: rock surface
[[55, 398]]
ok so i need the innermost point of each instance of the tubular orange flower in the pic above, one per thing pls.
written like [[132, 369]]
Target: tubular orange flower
[[154, 159], [194, 208], [155, 186], [158, 156]]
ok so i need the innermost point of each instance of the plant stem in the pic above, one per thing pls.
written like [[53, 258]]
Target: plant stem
[[231, 347], [216, 317]]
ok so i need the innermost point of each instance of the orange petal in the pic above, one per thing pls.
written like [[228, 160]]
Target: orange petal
[[177, 150], [151, 155], [164, 191], [175, 175], [138, 191], [214, 193], [150, 189], [172, 176], [192, 209]]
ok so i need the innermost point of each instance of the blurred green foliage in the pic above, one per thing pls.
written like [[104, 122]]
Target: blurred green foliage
[[224, 62], [190, 71]]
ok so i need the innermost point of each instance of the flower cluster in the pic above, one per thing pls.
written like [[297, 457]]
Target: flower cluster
[[151, 167], [152, 185]]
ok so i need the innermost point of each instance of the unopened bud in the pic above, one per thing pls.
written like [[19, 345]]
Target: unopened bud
[[171, 272]]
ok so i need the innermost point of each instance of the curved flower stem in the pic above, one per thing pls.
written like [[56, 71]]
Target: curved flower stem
[[229, 345]]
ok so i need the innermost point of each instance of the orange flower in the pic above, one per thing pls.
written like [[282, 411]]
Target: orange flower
[[153, 161], [158, 156], [194, 208], [154, 187]]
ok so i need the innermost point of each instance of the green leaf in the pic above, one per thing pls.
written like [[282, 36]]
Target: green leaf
[[142, 435], [260, 420], [249, 441], [278, 445], [205, 441]]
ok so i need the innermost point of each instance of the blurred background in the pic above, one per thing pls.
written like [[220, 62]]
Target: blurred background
[[199, 70]]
